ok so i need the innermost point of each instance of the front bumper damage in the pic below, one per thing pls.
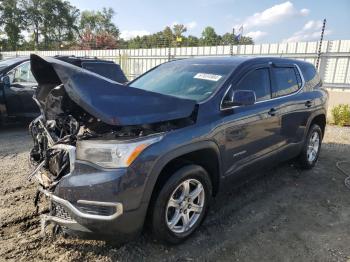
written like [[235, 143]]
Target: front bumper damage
[[63, 212], [78, 105]]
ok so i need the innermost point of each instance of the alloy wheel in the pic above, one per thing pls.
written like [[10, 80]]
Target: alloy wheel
[[313, 147], [185, 206]]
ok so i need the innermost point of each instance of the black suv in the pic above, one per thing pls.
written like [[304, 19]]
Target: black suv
[[112, 158], [17, 85]]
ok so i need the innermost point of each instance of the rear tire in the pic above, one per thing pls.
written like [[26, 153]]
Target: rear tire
[[312, 147], [181, 204]]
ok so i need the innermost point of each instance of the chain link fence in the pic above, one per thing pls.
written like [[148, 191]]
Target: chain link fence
[[334, 65]]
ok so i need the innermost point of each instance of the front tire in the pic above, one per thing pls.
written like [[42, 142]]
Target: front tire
[[181, 204], [312, 147]]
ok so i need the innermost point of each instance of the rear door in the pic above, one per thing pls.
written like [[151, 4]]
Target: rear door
[[287, 84], [251, 132]]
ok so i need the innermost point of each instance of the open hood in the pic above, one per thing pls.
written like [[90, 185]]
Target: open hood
[[109, 101]]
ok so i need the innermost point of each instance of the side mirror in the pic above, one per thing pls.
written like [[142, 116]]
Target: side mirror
[[6, 81], [241, 98]]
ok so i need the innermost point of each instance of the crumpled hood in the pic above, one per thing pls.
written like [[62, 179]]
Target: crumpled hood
[[109, 101]]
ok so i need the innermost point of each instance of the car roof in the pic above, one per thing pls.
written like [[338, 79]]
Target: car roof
[[10, 61], [237, 60], [77, 60]]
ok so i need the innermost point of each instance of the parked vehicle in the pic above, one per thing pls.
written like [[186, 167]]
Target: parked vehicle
[[113, 158], [17, 85]]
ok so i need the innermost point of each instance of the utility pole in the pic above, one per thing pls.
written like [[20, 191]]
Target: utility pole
[[320, 45], [232, 41]]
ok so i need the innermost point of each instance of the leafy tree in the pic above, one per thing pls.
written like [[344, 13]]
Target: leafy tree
[[228, 39], [246, 40], [209, 36], [168, 36], [53, 22], [34, 18], [179, 29], [192, 41], [11, 20], [60, 23], [100, 21], [97, 29]]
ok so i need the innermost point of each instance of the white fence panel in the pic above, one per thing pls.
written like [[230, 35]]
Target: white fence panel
[[334, 63]]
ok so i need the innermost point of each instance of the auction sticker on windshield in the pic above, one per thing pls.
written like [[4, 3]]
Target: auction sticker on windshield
[[210, 77]]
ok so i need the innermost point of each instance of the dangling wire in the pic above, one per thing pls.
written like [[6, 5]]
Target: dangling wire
[[347, 179]]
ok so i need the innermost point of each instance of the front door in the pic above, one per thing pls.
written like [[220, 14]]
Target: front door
[[19, 95], [253, 131]]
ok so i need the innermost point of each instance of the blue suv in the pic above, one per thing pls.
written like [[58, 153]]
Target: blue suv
[[112, 158]]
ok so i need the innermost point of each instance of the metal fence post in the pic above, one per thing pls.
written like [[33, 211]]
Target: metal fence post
[[169, 52]]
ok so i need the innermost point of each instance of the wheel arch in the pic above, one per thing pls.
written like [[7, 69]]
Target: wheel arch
[[318, 118], [204, 153]]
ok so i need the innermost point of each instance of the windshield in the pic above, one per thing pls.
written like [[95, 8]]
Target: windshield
[[184, 80]]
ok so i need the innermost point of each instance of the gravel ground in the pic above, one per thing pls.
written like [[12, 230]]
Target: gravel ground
[[284, 215]]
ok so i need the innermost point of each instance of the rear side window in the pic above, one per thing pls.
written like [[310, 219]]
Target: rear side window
[[287, 81], [257, 81], [311, 77]]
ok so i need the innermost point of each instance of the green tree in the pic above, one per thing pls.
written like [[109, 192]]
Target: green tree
[[209, 36], [228, 39], [99, 21], [168, 36], [52, 22], [191, 41], [11, 22], [60, 23], [179, 29], [98, 25], [246, 40]]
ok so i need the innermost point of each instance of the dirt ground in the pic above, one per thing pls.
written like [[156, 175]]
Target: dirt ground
[[285, 215]]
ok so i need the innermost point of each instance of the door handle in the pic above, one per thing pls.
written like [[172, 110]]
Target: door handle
[[272, 112], [308, 103]]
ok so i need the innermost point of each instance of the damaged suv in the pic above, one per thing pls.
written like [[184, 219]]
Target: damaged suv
[[112, 158]]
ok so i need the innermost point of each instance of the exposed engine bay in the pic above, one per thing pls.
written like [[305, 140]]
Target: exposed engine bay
[[70, 114], [63, 123]]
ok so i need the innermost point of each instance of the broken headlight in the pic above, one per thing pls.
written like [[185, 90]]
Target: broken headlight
[[112, 153]]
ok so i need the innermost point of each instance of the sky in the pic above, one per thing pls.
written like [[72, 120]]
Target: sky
[[266, 21]]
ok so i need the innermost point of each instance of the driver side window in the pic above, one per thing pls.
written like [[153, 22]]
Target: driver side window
[[21, 74], [257, 81]]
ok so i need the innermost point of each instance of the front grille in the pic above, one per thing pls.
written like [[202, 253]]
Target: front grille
[[96, 210], [59, 211]]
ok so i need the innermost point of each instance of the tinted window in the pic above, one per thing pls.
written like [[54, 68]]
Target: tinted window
[[257, 81], [286, 81], [183, 79], [309, 71], [311, 77]]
